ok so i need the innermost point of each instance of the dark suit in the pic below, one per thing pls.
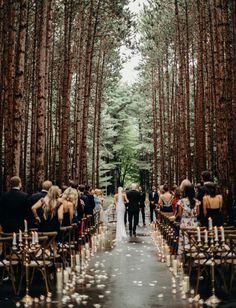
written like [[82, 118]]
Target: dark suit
[[142, 205], [153, 199], [32, 200], [133, 209], [13, 210], [89, 204]]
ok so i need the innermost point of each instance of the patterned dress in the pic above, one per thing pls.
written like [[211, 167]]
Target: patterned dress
[[188, 220]]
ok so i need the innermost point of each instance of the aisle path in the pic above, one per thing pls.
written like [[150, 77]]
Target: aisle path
[[133, 277]]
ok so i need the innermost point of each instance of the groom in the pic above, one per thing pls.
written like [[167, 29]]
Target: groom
[[133, 208]]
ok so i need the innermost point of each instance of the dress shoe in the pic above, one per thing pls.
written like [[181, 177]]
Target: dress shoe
[[130, 233], [134, 233]]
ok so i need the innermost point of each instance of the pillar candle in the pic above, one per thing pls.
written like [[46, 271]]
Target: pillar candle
[[209, 223], [66, 275], [216, 233], [206, 236], [222, 234], [26, 225], [198, 234], [175, 267], [20, 236], [59, 279], [186, 284], [77, 259], [168, 260], [33, 238], [36, 237], [14, 239]]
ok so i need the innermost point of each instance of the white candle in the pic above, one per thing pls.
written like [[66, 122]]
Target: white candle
[[216, 233], [72, 260], [33, 238], [36, 237], [59, 280], [222, 234], [77, 259], [168, 260], [14, 239], [20, 236], [186, 284], [198, 235], [209, 223], [206, 236], [26, 225], [175, 267], [66, 275]]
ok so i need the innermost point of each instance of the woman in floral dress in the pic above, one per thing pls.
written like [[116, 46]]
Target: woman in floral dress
[[188, 211]]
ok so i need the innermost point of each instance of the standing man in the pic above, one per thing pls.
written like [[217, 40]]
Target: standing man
[[35, 198], [40, 194], [133, 208], [142, 203], [14, 207], [205, 179], [89, 203], [153, 201]]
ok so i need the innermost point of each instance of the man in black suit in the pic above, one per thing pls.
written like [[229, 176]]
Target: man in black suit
[[205, 179], [40, 194], [142, 204], [89, 203], [153, 200], [133, 208], [35, 198], [13, 207]]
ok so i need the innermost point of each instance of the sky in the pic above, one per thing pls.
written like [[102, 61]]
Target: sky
[[128, 73]]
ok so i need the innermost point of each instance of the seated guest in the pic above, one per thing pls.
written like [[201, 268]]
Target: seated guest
[[69, 201], [89, 204], [188, 212], [212, 204], [13, 207], [165, 200], [46, 211], [37, 196]]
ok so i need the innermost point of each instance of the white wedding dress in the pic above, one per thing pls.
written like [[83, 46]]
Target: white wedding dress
[[120, 213]]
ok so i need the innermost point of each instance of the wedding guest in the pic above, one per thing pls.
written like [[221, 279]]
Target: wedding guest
[[142, 204], [153, 201], [176, 198], [40, 194], [165, 200], [230, 209], [89, 204], [212, 204], [133, 208], [69, 201], [14, 207], [99, 203], [46, 211], [205, 179], [35, 197], [188, 212]]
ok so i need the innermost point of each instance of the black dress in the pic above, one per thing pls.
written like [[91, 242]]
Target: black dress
[[66, 220], [51, 223], [216, 216]]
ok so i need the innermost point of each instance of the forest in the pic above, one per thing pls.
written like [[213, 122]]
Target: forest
[[66, 114]]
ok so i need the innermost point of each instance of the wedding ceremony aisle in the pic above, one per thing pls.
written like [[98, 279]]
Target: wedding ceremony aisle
[[125, 274]]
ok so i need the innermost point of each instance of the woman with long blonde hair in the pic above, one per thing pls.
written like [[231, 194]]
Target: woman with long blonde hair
[[69, 201], [46, 211]]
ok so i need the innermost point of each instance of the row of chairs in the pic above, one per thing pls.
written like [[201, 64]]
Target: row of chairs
[[50, 249], [200, 255]]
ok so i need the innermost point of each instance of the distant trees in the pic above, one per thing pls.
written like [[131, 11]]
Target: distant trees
[[189, 53], [56, 61]]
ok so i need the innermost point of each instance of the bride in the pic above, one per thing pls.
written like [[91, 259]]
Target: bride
[[120, 199]]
